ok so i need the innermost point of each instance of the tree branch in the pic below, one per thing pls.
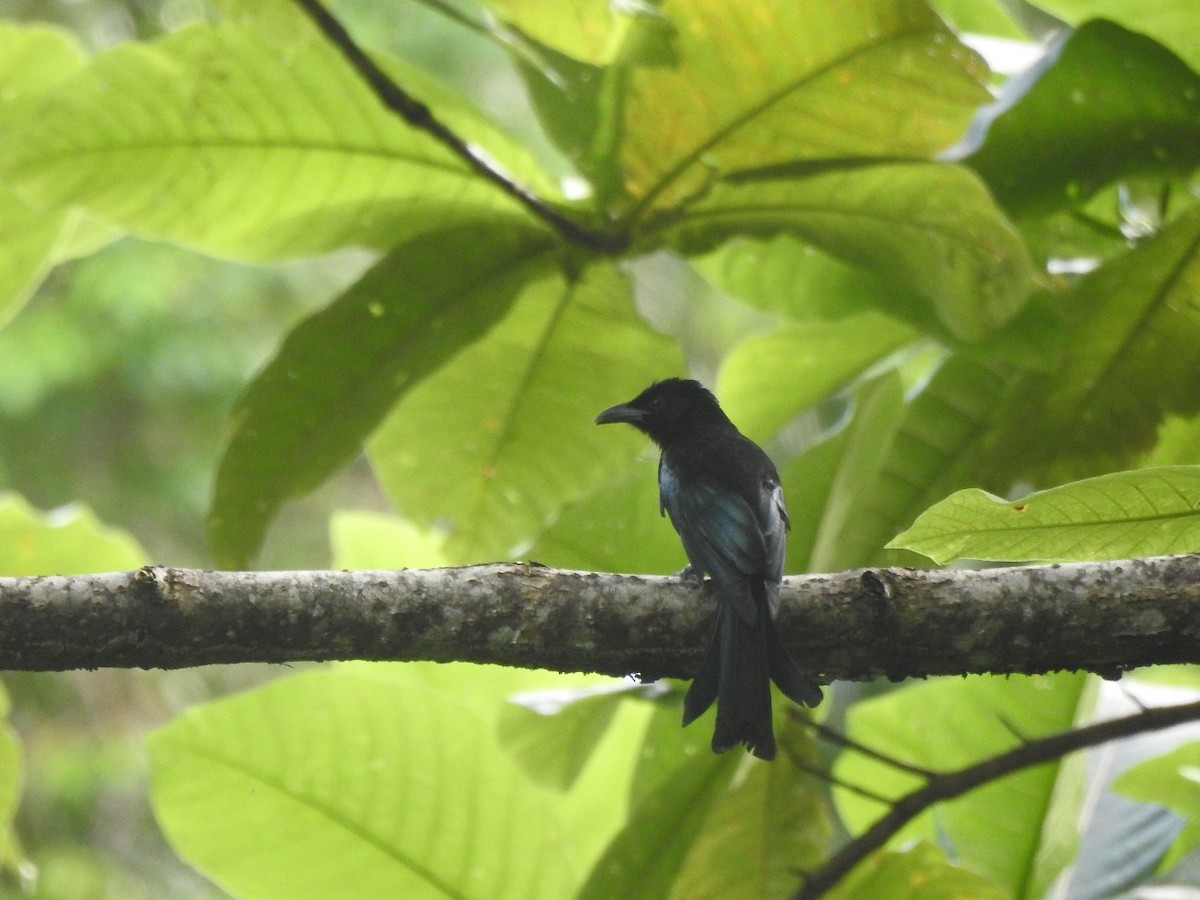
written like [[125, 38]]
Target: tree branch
[[421, 117], [948, 785], [899, 623]]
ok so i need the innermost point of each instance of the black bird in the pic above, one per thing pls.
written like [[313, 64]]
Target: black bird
[[724, 498]]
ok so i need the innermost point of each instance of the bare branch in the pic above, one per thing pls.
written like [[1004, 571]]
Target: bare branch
[[948, 785], [1104, 617]]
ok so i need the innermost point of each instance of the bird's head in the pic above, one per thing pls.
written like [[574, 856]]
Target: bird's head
[[667, 410]]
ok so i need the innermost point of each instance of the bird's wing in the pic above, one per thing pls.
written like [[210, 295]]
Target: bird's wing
[[721, 536], [773, 519]]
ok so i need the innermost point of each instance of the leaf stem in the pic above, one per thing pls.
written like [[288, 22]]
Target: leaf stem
[[421, 117]]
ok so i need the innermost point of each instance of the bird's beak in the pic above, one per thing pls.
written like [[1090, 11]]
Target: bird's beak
[[622, 412]]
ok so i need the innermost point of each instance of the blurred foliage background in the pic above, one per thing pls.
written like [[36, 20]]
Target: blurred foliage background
[[116, 383], [118, 377]]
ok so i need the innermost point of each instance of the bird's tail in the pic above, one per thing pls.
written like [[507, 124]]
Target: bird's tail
[[739, 664], [789, 677]]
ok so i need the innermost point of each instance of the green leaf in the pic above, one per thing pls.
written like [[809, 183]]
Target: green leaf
[[341, 370], [990, 17], [807, 482], [921, 872], [988, 713], [743, 91], [494, 444], [931, 229], [578, 94], [67, 541], [282, 21], [552, 734], [617, 527], [1173, 781], [1110, 104], [584, 29], [1171, 22], [573, 102], [1144, 512], [216, 138], [665, 746], [1178, 442], [370, 540], [645, 857], [29, 239], [332, 784], [33, 59], [12, 776], [933, 449], [1133, 355], [769, 829], [837, 545], [815, 359], [591, 810], [787, 277]]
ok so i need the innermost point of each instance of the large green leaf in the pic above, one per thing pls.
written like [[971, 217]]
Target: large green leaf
[[988, 713], [1178, 442], [12, 774], [577, 80], [591, 810], [933, 449], [283, 21], [1171, 22], [989, 17], [33, 58], [587, 30], [1173, 781], [666, 747], [762, 835], [787, 277], [759, 83], [552, 734], [332, 784], [617, 527], [807, 482], [878, 407], [1111, 104], [931, 229], [67, 541], [1132, 356], [495, 443], [851, 493], [371, 540], [770, 378], [340, 371], [919, 872], [1144, 512], [645, 857], [29, 239], [217, 138]]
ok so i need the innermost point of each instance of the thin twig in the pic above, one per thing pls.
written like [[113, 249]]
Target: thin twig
[[948, 785], [420, 116], [836, 737], [1012, 729], [829, 778]]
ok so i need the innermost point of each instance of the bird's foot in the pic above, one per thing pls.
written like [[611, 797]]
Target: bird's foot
[[687, 573]]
